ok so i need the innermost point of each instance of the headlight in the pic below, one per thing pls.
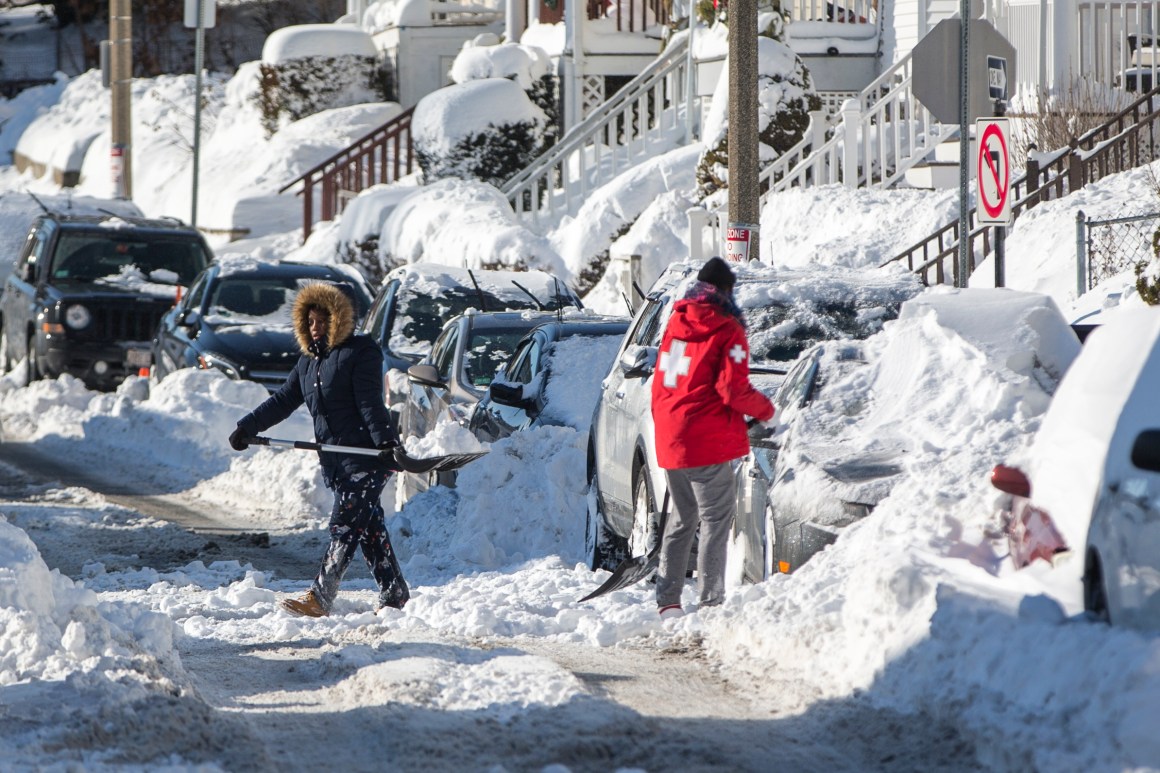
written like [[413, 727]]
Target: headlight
[[77, 317], [217, 362]]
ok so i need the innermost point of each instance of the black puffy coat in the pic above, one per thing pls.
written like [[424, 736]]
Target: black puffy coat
[[343, 390]]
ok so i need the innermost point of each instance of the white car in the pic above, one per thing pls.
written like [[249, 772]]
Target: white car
[[1093, 478]]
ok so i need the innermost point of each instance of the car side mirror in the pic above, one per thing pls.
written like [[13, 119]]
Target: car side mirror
[[507, 394], [189, 318], [1146, 450], [638, 361], [1010, 480], [425, 374]]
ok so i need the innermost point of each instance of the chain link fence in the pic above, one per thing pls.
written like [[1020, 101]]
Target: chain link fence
[[1110, 247]]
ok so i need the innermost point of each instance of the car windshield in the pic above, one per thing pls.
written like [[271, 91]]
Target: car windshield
[[420, 317], [267, 300], [86, 257], [486, 352]]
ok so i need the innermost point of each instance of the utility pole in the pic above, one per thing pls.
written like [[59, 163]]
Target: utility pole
[[120, 86], [744, 201]]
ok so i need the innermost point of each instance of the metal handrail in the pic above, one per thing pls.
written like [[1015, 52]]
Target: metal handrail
[[550, 180], [383, 155], [1098, 153]]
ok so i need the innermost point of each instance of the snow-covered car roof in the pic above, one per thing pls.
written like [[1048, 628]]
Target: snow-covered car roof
[[788, 310]]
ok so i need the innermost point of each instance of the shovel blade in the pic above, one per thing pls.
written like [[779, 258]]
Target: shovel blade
[[420, 465], [628, 573]]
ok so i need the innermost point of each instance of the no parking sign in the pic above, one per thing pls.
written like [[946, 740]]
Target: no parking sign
[[994, 171]]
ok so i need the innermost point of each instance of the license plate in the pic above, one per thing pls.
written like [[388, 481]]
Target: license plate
[[138, 358]]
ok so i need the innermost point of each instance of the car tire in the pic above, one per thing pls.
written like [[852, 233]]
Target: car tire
[[1095, 595], [646, 529], [602, 549]]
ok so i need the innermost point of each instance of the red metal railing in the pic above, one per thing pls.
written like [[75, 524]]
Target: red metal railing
[[382, 156]]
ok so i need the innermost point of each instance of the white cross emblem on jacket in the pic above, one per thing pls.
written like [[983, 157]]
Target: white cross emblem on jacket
[[737, 353], [674, 363]]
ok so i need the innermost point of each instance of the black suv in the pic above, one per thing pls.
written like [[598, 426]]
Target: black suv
[[87, 292]]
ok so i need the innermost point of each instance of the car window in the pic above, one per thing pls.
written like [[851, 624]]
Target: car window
[[87, 256], [196, 293], [36, 253], [486, 352], [377, 322], [798, 385], [648, 327], [443, 353], [519, 365]]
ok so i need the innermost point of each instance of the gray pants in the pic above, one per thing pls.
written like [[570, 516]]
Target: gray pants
[[705, 497]]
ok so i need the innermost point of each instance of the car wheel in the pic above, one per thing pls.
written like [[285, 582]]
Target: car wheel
[[602, 549], [645, 528], [1095, 596]]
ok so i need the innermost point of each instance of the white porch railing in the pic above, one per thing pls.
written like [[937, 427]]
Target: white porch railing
[[645, 118], [874, 141], [1111, 43]]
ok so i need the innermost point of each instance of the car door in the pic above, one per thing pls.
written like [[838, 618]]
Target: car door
[[174, 347], [19, 307], [625, 405], [500, 419], [426, 402]]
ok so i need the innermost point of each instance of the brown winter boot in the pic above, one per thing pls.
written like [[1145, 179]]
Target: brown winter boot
[[306, 605]]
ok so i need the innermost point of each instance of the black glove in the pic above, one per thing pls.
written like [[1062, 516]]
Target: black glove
[[239, 439], [387, 450]]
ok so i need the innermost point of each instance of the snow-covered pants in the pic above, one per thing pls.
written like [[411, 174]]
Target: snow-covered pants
[[358, 520], [705, 497]]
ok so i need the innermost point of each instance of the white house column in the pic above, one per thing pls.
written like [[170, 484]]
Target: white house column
[[573, 70]]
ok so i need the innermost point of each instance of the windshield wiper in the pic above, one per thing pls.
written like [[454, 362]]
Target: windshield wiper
[[479, 292], [528, 292]]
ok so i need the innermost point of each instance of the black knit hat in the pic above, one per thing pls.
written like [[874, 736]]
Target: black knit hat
[[717, 272]]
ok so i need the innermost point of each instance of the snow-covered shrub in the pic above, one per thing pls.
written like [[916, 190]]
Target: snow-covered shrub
[[483, 130], [529, 66], [309, 68], [300, 87], [785, 97]]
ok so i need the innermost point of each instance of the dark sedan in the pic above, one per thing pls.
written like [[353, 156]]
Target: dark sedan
[[236, 318]]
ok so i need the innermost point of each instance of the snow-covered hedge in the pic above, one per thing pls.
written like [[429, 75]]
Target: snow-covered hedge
[[785, 97], [483, 130]]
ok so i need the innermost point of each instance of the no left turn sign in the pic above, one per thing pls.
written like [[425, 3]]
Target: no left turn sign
[[994, 171]]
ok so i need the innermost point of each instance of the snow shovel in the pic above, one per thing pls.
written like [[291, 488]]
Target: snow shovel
[[633, 570], [416, 464]]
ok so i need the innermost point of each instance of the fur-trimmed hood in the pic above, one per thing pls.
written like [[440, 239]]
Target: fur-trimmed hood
[[324, 296]]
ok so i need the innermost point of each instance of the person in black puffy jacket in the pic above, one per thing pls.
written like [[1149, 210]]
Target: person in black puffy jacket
[[339, 379]]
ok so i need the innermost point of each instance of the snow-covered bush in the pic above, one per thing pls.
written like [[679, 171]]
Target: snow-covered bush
[[483, 130], [529, 66], [785, 97], [315, 67]]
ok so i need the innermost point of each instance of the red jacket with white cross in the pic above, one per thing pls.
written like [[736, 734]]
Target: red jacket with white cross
[[700, 391]]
